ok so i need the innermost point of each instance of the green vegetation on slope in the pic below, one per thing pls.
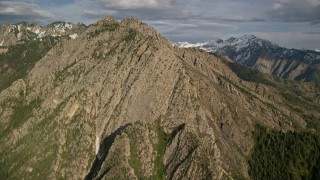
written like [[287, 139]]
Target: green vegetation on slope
[[21, 111], [131, 35], [293, 95], [160, 147], [134, 161], [248, 74], [111, 26], [278, 155], [15, 159], [20, 58]]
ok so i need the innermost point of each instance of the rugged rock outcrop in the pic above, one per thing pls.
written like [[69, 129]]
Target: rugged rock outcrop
[[120, 101]]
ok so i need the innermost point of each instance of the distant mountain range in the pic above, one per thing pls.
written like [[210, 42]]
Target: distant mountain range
[[16, 33], [268, 57]]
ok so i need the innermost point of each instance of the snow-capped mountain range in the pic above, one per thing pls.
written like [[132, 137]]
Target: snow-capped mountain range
[[15, 33], [265, 56], [218, 44], [246, 45]]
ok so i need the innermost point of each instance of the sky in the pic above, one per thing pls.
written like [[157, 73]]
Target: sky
[[289, 23]]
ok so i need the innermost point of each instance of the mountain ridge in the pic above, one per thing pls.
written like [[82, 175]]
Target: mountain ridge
[[119, 101], [11, 34], [268, 57]]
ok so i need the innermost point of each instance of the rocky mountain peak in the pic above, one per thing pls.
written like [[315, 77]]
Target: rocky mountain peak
[[219, 41], [120, 101], [144, 28], [248, 36], [130, 27], [137, 25], [107, 19]]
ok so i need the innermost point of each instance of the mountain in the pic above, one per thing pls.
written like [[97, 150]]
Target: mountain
[[265, 56], [18, 33], [119, 101], [23, 44]]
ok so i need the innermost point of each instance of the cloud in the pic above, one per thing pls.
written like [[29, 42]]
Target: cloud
[[154, 10], [21, 11], [231, 10], [192, 30], [295, 11], [211, 10], [270, 10], [97, 14], [141, 13], [298, 40], [21, 8], [69, 12], [128, 4], [132, 4]]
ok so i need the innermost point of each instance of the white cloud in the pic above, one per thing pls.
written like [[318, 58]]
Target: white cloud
[[23, 9], [314, 3], [295, 10], [277, 6], [192, 30], [132, 4], [298, 40], [69, 12]]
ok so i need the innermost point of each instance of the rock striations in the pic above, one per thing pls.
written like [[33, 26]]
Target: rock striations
[[119, 101]]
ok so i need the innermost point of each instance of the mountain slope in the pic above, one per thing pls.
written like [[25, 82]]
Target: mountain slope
[[292, 64], [120, 101], [18, 59]]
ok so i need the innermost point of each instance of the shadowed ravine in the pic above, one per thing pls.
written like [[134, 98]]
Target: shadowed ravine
[[103, 153]]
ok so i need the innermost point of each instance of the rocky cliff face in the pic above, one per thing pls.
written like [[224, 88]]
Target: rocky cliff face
[[120, 101]]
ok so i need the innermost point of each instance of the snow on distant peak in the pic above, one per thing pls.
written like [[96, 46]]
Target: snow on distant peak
[[207, 46], [41, 34], [19, 36], [73, 36], [188, 45], [68, 25], [57, 25], [237, 44], [246, 48], [37, 31]]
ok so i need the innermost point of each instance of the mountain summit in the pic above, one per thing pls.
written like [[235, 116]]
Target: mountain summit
[[119, 101]]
